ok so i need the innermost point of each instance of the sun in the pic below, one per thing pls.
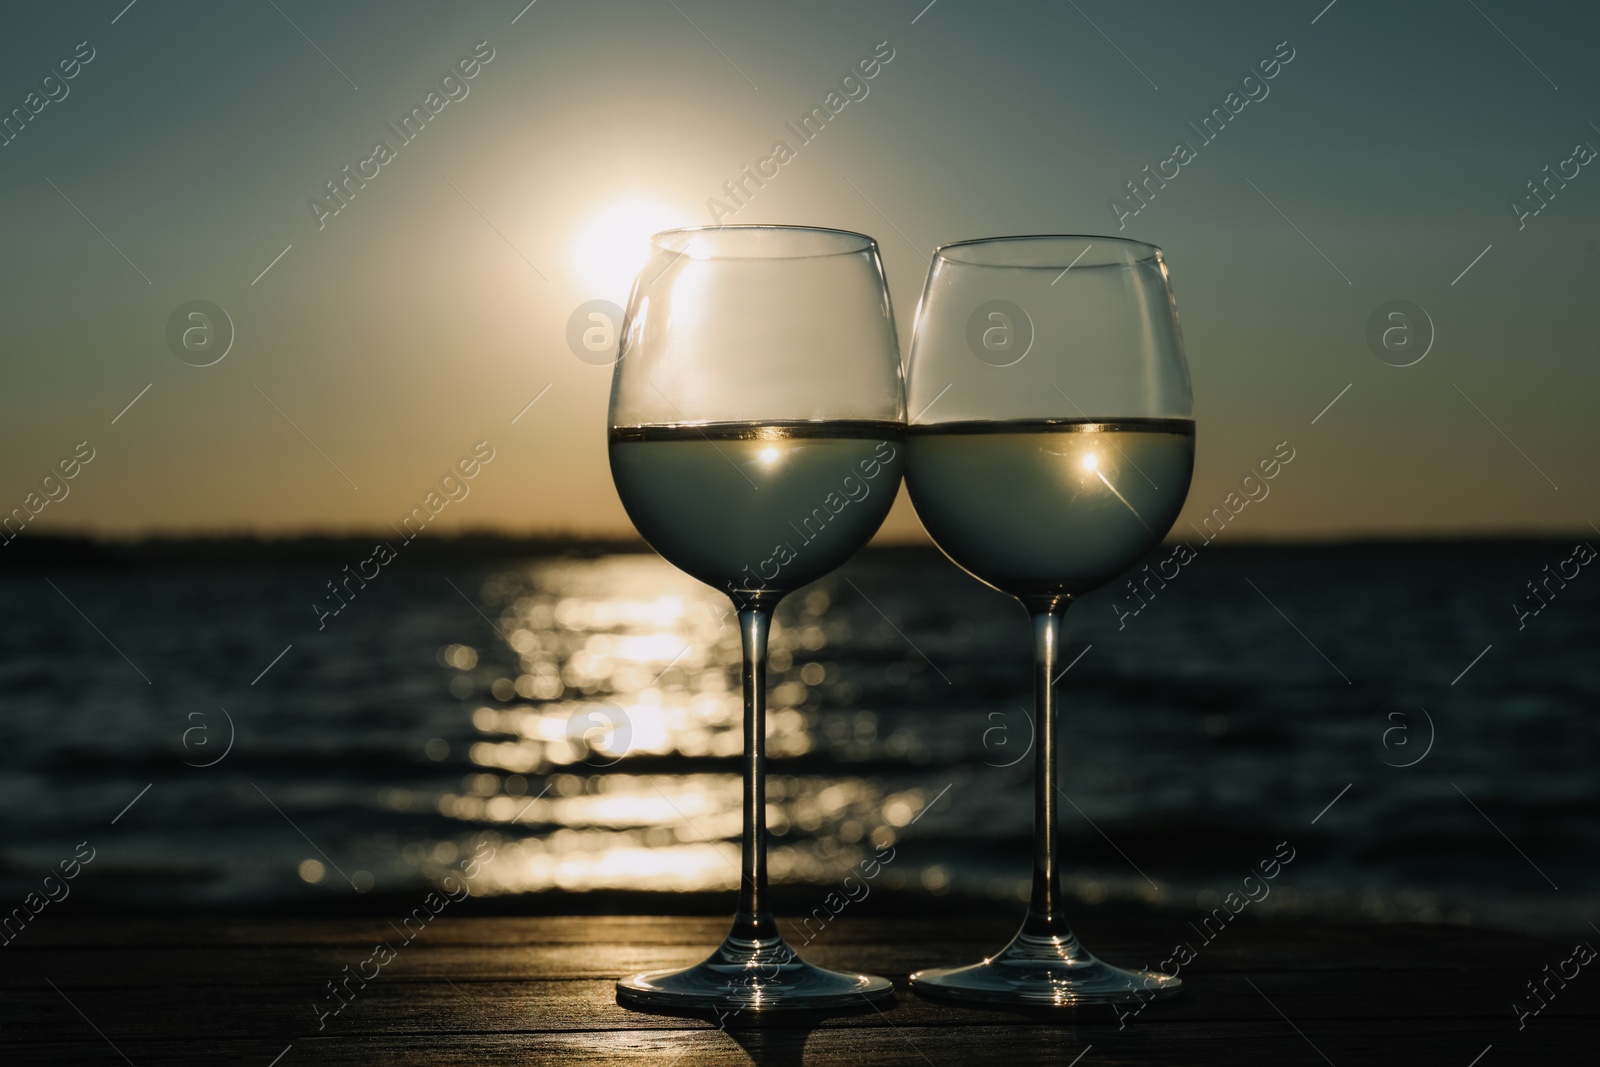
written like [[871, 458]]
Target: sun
[[613, 243]]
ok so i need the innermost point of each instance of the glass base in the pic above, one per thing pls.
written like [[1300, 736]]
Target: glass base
[[1044, 972], [761, 977]]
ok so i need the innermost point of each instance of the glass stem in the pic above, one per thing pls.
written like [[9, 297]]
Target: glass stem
[[753, 921], [1045, 918]]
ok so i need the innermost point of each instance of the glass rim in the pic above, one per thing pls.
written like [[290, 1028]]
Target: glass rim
[[858, 242], [1142, 250]]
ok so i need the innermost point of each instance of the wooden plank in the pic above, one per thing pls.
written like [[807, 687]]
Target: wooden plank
[[1020, 1046], [434, 954], [1249, 945], [492, 990], [394, 1005], [255, 966]]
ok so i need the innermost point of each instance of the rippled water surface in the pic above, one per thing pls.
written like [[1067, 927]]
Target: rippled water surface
[[582, 716]]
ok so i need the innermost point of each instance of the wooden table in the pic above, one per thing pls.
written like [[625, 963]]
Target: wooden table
[[487, 991]]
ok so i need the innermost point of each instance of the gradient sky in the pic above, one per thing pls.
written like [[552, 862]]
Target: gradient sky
[[417, 322]]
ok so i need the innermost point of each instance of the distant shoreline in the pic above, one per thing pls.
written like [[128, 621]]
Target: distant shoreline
[[29, 552]]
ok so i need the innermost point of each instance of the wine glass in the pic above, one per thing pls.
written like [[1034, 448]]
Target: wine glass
[[1052, 449], [757, 440]]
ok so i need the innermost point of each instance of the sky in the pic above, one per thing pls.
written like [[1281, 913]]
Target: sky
[[374, 347]]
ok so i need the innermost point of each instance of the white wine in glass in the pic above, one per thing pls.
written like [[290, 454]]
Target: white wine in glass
[[1040, 506], [757, 438], [1052, 450], [792, 501]]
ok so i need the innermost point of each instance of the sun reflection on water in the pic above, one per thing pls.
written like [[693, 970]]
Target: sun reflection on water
[[607, 727]]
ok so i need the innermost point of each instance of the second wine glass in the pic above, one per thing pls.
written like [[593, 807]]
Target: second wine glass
[[757, 440], [1052, 449]]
